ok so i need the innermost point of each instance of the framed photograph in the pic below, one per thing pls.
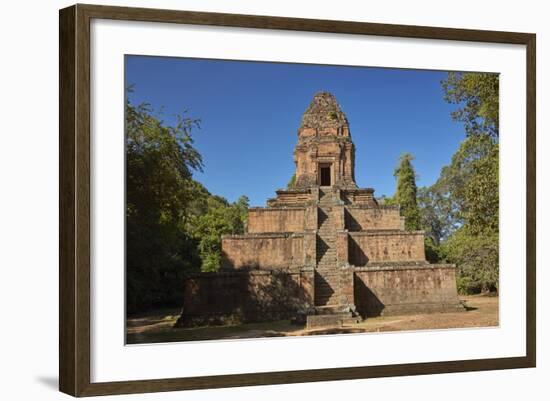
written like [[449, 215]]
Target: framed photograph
[[250, 200]]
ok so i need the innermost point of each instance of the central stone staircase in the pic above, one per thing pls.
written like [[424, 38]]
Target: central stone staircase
[[328, 308], [327, 284]]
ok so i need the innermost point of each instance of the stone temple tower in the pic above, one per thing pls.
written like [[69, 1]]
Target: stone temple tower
[[323, 248], [324, 155]]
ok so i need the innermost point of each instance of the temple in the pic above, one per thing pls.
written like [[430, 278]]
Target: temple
[[323, 251]]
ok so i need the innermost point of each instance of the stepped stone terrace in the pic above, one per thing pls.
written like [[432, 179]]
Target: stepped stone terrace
[[323, 252]]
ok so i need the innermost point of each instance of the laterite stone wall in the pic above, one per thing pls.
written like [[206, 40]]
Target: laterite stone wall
[[235, 297], [263, 251], [384, 218], [405, 289], [276, 220], [373, 247]]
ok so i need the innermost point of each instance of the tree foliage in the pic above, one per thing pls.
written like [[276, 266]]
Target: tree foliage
[[477, 259], [173, 224], [461, 210], [406, 192], [438, 213], [477, 95], [292, 182], [221, 218]]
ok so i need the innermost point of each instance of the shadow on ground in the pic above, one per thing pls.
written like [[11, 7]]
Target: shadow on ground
[[481, 311]]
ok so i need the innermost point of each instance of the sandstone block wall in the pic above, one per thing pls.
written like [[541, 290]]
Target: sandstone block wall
[[335, 150], [278, 220], [245, 296], [383, 218], [291, 198], [405, 289], [342, 248], [363, 197], [263, 251], [394, 246]]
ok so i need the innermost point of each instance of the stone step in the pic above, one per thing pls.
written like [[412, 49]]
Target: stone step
[[348, 321], [332, 315]]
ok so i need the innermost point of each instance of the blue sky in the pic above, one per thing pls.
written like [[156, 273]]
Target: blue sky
[[251, 111]]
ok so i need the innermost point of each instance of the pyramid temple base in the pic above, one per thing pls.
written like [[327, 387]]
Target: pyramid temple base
[[323, 252], [238, 296]]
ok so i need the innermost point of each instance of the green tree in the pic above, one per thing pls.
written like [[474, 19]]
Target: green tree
[[477, 259], [469, 184], [405, 195], [438, 216], [173, 224], [472, 183], [159, 189], [477, 94], [292, 183], [221, 218], [387, 200], [242, 205]]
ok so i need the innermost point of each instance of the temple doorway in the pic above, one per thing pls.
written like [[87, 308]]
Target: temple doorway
[[325, 175]]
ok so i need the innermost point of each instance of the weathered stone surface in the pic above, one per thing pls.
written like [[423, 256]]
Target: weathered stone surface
[[324, 112], [293, 197], [386, 246], [324, 141], [403, 289], [320, 253], [263, 251], [359, 218], [261, 220], [245, 296]]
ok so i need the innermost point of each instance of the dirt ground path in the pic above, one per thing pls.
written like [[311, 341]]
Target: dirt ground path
[[481, 311]]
